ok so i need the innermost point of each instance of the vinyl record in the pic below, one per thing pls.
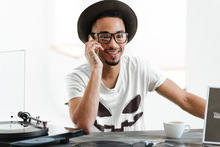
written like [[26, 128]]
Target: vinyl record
[[10, 130], [37, 140], [102, 144]]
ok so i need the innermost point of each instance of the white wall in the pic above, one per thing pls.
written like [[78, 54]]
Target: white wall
[[24, 25], [203, 46], [161, 32]]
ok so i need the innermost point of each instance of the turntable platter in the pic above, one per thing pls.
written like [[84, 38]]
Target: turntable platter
[[10, 130]]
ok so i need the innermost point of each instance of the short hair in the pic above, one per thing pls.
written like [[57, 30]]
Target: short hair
[[109, 13]]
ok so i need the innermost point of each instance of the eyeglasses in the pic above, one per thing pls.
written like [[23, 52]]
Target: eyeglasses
[[105, 38]]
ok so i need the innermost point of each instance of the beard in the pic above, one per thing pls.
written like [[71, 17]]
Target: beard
[[112, 63]]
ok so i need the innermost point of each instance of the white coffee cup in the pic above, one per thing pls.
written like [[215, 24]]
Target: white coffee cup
[[175, 129]]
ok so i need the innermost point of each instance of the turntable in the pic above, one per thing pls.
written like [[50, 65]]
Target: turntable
[[29, 133], [27, 130]]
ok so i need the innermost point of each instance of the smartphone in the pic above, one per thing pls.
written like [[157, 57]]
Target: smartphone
[[96, 49]]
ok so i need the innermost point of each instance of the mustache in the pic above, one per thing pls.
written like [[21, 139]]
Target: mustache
[[112, 49]]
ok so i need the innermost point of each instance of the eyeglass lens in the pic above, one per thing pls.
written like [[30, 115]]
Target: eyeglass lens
[[106, 37]]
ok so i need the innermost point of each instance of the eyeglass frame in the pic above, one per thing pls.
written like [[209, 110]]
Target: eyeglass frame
[[112, 34]]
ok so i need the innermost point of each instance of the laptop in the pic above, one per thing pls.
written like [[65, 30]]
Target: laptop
[[211, 130]]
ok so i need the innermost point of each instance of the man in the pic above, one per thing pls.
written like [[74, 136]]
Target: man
[[108, 92]]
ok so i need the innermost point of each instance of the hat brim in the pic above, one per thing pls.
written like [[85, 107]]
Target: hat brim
[[88, 15]]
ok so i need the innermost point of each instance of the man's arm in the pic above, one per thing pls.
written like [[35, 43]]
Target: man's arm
[[187, 101], [83, 110]]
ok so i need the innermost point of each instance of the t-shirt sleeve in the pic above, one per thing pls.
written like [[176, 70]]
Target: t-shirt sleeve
[[75, 86], [156, 77]]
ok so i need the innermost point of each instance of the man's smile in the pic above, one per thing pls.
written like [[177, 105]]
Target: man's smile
[[113, 53]]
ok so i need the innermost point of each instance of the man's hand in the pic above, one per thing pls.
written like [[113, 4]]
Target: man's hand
[[92, 48]]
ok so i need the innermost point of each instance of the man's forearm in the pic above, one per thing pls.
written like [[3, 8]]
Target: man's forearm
[[187, 101], [196, 105], [85, 113]]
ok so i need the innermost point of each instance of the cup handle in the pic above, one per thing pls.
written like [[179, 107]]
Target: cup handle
[[187, 129]]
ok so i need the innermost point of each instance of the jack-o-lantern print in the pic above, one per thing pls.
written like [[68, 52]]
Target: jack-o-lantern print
[[129, 115]]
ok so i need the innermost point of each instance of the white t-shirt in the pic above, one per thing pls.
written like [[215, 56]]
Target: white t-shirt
[[120, 108]]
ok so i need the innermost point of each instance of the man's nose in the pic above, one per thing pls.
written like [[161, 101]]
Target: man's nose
[[112, 43]]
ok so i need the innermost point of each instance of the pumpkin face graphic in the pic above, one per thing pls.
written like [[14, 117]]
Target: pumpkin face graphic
[[126, 118]]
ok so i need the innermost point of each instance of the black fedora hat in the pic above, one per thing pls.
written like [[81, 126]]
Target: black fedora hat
[[86, 18]]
